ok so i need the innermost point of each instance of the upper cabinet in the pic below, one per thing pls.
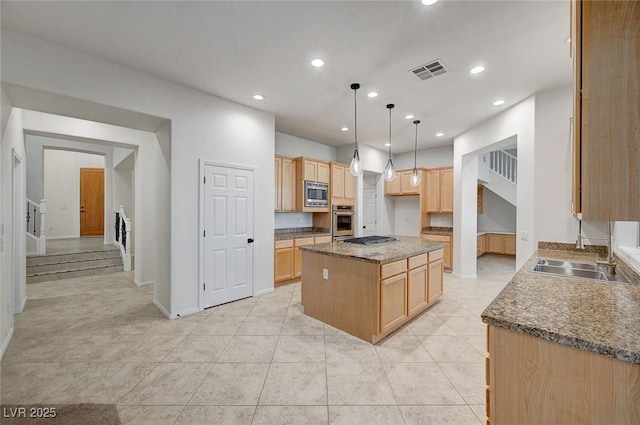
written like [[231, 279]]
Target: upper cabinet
[[401, 185], [343, 185], [606, 138], [315, 171], [285, 187], [438, 191]]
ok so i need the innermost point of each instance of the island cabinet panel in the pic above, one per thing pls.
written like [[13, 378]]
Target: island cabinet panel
[[418, 281], [297, 268], [392, 269], [393, 302], [535, 381]]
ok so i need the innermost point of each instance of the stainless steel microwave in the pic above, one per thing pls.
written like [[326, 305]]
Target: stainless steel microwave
[[316, 194]]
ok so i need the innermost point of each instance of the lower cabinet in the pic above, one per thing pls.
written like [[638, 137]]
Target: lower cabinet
[[409, 286], [447, 241], [288, 258], [499, 243]]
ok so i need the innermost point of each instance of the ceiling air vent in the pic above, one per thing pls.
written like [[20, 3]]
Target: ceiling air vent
[[431, 69]]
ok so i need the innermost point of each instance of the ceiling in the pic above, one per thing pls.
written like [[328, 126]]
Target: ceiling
[[235, 49]]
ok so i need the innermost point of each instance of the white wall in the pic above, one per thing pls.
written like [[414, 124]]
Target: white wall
[[35, 169], [497, 214], [293, 146], [406, 220], [62, 190], [553, 171], [11, 298], [202, 127], [163, 208], [427, 158], [486, 136]]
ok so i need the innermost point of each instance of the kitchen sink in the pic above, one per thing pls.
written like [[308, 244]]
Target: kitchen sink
[[581, 270]]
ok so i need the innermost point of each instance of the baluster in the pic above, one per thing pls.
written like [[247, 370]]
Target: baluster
[[28, 216], [117, 227], [124, 234], [35, 216]]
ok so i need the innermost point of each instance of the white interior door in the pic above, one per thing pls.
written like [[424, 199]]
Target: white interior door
[[228, 234], [369, 211]]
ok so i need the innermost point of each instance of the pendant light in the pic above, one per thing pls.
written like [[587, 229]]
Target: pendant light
[[355, 168], [414, 180], [390, 171]]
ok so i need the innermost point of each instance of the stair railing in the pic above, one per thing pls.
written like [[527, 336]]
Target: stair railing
[[505, 165], [123, 237], [36, 229]]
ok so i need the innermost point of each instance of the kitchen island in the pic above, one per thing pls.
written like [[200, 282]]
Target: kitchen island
[[370, 291], [564, 350]]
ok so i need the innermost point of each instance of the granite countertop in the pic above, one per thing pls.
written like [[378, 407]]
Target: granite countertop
[[592, 315], [432, 230], [494, 232], [296, 233], [381, 253]]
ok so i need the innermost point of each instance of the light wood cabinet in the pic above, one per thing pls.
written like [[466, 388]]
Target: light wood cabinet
[[401, 185], [284, 260], [480, 199], [285, 178], [343, 185], [393, 305], [315, 171], [418, 284], [288, 257], [436, 280], [439, 191], [557, 383], [447, 241], [605, 122], [482, 245], [499, 243]]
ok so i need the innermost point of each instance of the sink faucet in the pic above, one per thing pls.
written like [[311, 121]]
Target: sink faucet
[[610, 261]]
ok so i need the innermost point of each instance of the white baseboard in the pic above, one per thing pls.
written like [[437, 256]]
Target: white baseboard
[[5, 343], [63, 237], [162, 309], [22, 305], [145, 283], [185, 313], [263, 291], [465, 276]]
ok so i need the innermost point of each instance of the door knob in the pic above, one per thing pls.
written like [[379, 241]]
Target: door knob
[[250, 240]]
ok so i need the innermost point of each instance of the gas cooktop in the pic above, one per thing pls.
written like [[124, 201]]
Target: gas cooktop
[[371, 240]]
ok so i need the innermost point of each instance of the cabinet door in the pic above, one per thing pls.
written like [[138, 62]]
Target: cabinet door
[[284, 264], [393, 302], [322, 172], [435, 279], [433, 191], [446, 190], [392, 187], [496, 244], [418, 291], [278, 184], [405, 184], [349, 185], [310, 170], [448, 258], [337, 181], [288, 185], [510, 244]]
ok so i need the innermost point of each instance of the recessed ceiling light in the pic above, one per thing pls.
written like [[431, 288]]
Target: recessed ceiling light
[[317, 62], [428, 2], [408, 117], [498, 102], [387, 144], [258, 97], [372, 94], [344, 129], [439, 134], [477, 69]]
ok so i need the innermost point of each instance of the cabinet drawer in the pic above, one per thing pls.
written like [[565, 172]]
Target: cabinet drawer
[[436, 255], [392, 269], [438, 238], [287, 243], [417, 261], [304, 241], [323, 239]]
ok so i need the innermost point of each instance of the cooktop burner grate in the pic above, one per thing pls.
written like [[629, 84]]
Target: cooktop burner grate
[[371, 240]]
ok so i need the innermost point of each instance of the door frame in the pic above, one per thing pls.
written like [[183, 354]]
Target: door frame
[[201, 175], [18, 254]]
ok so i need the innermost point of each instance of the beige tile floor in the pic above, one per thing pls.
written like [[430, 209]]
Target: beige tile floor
[[256, 361]]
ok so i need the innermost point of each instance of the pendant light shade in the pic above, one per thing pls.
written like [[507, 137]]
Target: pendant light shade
[[390, 170], [414, 180], [355, 168]]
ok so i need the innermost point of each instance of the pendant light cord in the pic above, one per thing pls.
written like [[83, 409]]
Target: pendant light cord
[[390, 107], [355, 117], [415, 149]]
